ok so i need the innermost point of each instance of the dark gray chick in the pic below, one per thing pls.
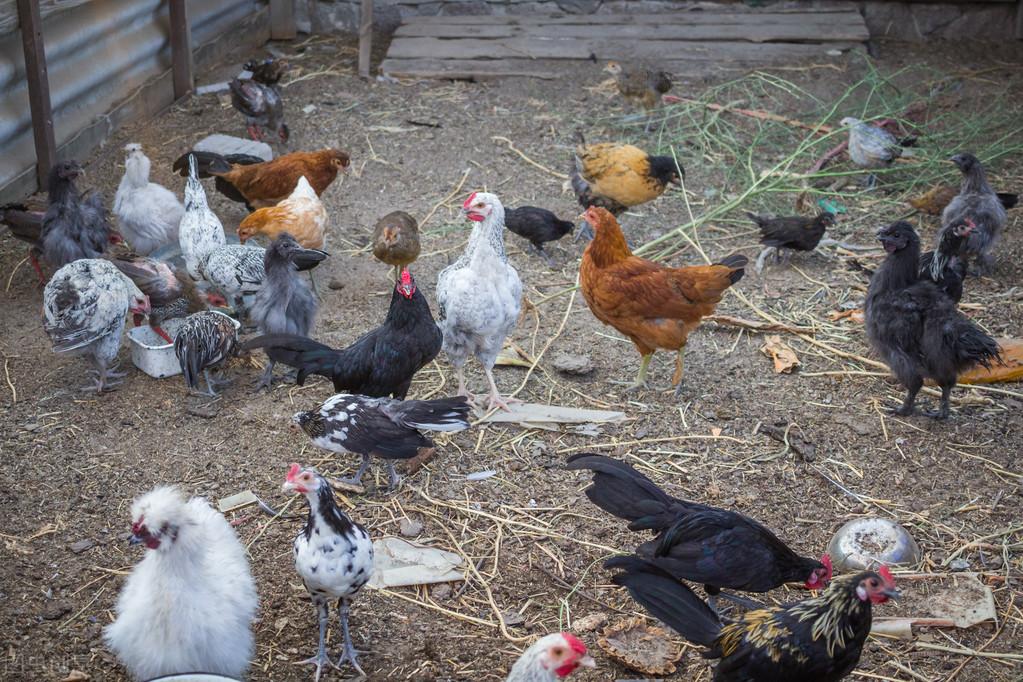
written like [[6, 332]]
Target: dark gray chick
[[74, 226], [262, 107], [284, 304], [871, 146], [979, 204]]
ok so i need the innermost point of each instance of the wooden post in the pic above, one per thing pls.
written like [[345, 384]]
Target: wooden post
[[181, 49], [282, 20], [1019, 20], [38, 88], [365, 37]]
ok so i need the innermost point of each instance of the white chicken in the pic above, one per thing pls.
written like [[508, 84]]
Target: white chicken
[[235, 271], [84, 305], [188, 606], [551, 658], [147, 213], [480, 295]]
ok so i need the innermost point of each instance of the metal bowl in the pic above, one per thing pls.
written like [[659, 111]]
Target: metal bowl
[[867, 542], [194, 677]]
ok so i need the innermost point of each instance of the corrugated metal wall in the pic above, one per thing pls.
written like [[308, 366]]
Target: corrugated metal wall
[[97, 54]]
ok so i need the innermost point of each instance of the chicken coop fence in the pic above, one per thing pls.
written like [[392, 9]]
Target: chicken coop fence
[[98, 55]]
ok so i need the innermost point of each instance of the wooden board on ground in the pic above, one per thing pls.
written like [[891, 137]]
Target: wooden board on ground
[[480, 47], [534, 413]]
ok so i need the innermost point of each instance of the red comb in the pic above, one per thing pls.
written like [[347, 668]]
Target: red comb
[[468, 201], [138, 525], [886, 574], [406, 276], [293, 471], [826, 560], [574, 642], [969, 223]]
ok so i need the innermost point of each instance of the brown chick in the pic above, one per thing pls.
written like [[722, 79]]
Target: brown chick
[[301, 215], [260, 185], [396, 240], [640, 86], [934, 200], [653, 305]]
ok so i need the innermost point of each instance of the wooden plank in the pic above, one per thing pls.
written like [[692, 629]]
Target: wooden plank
[[365, 37], [181, 49], [1019, 20], [282, 20], [471, 69], [539, 48], [795, 32], [686, 18], [38, 88]]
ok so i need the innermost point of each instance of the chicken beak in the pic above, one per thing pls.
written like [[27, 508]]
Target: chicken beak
[[587, 661], [892, 593], [135, 540]]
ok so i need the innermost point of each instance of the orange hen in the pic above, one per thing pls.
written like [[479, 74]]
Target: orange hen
[[653, 305], [301, 215]]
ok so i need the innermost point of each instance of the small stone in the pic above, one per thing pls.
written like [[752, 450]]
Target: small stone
[[32, 426], [441, 592], [590, 622], [55, 609], [513, 618], [573, 364], [834, 53], [409, 528], [82, 546], [204, 410], [309, 108], [958, 565], [335, 284]]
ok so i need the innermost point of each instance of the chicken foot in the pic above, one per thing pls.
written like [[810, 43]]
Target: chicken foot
[[907, 405], [539, 250], [321, 657], [348, 652], [943, 410], [584, 230], [495, 400], [105, 379], [462, 388], [679, 365], [212, 382], [640, 382], [267, 379], [357, 478]]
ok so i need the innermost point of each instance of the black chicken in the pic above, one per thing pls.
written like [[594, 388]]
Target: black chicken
[[815, 640], [791, 233], [719, 548], [978, 202], [379, 363], [943, 266], [538, 225], [267, 71], [915, 326], [262, 107]]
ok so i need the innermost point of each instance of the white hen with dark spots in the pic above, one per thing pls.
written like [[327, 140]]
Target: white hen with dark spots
[[333, 556]]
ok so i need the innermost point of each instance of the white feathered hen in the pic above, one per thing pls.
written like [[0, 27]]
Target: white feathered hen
[[480, 295], [188, 605], [147, 213], [233, 270], [84, 305]]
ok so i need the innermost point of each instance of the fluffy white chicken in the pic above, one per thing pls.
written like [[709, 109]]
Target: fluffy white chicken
[[334, 558], [480, 295], [148, 214], [84, 305], [188, 605], [551, 658], [233, 270]]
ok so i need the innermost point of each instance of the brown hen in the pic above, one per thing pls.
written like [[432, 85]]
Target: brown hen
[[396, 240], [653, 305], [640, 85], [267, 183]]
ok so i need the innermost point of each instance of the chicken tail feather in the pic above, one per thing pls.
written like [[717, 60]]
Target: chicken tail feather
[[209, 164], [443, 414], [667, 599], [737, 262]]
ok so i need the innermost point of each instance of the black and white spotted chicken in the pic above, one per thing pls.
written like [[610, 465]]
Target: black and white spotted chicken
[[383, 427], [334, 558]]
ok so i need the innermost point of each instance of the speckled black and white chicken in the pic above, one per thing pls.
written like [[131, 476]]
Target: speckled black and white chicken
[[380, 427], [148, 214], [188, 606], [233, 270], [334, 558], [978, 203], [205, 340], [285, 304], [480, 295], [84, 305]]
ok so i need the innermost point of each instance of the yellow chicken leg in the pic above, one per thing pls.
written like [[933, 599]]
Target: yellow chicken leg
[[640, 381]]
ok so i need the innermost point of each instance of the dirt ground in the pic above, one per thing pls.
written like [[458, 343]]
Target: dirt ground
[[72, 462]]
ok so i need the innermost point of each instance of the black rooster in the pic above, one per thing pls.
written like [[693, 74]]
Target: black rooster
[[538, 225], [379, 363], [719, 548], [815, 640], [915, 326]]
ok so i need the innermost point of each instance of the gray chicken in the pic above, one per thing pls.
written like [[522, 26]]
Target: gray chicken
[[979, 204], [205, 340], [75, 225], [84, 305], [262, 107], [871, 146], [284, 304]]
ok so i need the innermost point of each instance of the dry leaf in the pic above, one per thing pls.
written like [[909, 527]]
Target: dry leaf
[[76, 676], [784, 357], [855, 315], [1012, 370], [640, 647], [513, 356], [715, 432]]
